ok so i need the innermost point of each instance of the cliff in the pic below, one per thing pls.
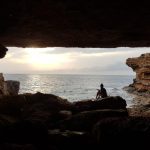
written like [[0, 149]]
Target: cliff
[[141, 65]]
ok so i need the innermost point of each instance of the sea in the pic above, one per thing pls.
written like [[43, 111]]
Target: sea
[[74, 87]]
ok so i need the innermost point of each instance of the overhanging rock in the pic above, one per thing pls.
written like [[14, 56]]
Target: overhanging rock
[[75, 23], [141, 65]]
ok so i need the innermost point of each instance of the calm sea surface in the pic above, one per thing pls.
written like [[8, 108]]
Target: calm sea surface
[[73, 87]]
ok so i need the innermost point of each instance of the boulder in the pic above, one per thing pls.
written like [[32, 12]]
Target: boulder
[[11, 87], [133, 132], [141, 65], [84, 121], [42, 107], [116, 102]]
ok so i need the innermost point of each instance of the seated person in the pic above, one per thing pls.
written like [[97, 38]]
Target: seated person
[[102, 93]]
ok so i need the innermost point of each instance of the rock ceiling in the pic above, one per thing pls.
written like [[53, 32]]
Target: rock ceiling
[[74, 23]]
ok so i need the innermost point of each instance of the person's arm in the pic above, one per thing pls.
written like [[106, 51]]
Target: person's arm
[[98, 94]]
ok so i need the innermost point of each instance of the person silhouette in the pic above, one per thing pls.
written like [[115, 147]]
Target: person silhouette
[[102, 93]]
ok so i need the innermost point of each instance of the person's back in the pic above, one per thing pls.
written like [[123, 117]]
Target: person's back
[[103, 93]]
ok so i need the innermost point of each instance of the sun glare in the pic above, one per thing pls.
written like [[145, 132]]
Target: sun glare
[[43, 59]]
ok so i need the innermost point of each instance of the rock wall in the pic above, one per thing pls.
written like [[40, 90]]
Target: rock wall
[[141, 65], [9, 87]]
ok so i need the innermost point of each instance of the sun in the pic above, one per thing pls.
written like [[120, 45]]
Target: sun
[[45, 59]]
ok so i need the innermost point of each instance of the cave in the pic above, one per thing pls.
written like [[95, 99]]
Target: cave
[[78, 23]]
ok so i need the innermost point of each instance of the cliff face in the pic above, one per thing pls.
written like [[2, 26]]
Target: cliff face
[[141, 65]]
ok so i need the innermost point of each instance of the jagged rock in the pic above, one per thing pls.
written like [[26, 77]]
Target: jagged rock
[[3, 51], [141, 65], [9, 87]]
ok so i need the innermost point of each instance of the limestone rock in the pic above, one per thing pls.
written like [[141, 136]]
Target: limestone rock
[[141, 65], [9, 87]]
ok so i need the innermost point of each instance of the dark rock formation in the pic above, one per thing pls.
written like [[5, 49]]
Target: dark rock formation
[[133, 132], [3, 51], [45, 121], [75, 23], [141, 65], [105, 103], [85, 120]]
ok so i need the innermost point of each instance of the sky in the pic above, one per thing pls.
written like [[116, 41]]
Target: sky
[[57, 60]]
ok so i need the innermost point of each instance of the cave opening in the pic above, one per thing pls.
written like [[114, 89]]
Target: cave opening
[[73, 73], [73, 60]]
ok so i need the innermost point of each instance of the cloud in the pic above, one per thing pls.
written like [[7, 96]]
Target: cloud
[[75, 60], [61, 50]]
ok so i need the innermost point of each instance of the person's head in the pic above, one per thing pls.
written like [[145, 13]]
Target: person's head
[[101, 85]]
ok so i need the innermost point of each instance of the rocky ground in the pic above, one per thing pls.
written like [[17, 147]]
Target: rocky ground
[[48, 122], [141, 102]]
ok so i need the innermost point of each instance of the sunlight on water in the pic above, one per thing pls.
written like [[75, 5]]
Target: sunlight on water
[[73, 87]]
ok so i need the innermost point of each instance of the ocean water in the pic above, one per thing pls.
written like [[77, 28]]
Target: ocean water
[[73, 87]]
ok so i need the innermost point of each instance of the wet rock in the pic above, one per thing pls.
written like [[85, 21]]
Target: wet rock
[[141, 65]]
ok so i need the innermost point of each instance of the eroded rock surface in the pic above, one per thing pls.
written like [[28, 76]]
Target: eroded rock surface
[[9, 87], [141, 65], [75, 23]]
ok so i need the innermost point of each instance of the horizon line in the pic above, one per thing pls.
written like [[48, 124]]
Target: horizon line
[[67, 74]]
